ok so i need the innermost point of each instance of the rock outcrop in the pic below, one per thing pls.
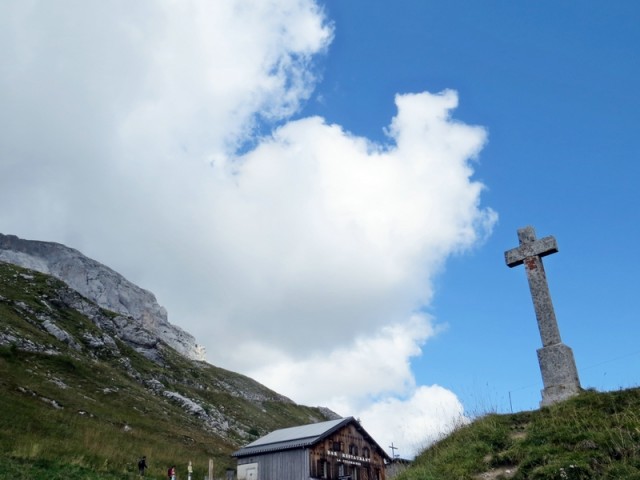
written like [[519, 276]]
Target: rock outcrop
[[143, 321], [51, 334]]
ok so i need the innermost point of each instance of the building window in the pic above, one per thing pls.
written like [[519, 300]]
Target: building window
[[355, 473], [323, 469], [366, 453], [353, 449], [337, 446]]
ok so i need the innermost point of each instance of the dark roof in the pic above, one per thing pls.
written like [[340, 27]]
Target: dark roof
[[300, 437]]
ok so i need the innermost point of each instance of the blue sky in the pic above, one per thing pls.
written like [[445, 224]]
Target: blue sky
[[322, 192], [556, 85]]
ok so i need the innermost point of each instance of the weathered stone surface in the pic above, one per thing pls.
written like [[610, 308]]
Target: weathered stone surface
[[60, 334], [529, 253], [559, 373], [557, 365], [106, 288]]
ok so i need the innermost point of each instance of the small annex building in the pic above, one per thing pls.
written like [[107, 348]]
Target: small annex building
[[333, 450]]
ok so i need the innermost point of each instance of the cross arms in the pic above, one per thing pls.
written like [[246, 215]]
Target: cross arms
[[530, 247]]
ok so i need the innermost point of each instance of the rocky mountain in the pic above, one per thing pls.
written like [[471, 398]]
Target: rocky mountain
[[86, 387], [107, 289]]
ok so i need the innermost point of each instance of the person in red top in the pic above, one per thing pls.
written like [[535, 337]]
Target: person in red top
[[171, 473]]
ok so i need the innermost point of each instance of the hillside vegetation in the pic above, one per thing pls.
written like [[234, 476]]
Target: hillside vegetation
[[76, 406], [77, 402], [591, 436]]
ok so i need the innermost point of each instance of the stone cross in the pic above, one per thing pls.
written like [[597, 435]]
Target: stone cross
[[530, 253], [559, 373]]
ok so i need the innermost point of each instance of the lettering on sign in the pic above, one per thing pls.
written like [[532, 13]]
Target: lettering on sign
[[347, 458]]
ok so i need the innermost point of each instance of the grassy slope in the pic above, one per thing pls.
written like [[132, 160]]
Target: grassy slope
[[103, 418], [592, 436]]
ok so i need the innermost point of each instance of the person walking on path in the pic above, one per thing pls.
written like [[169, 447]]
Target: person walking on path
[[171, 473]]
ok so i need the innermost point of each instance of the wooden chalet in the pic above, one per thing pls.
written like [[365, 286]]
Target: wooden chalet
[[334, 450]]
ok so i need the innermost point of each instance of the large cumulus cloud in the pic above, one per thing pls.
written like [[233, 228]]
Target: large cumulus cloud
[[302, 255]]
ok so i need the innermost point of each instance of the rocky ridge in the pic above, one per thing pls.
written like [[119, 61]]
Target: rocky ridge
[[44, 318], [142, 321]]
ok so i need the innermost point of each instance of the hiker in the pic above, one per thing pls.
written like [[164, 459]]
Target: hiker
[[142, 465], [189, 470], [171, 473]]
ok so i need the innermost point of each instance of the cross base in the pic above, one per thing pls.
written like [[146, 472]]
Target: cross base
[[559, 374]]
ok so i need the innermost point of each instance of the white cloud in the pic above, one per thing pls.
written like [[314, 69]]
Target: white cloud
[[330, 232], [371, 378], [358, 371], [413, 423], [310, 256]]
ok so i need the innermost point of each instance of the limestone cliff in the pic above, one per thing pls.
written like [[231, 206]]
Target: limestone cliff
[[108, 289], [60, 351]]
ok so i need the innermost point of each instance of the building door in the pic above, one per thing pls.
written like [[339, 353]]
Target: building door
[[252, 473]]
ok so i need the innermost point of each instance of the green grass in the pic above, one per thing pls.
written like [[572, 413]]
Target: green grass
[[84, 413], [93, 430], [592, 436]]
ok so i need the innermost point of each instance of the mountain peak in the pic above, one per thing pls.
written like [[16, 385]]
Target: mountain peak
[[106, 288]]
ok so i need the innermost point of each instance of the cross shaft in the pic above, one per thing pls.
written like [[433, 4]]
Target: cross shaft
[[529, 253]]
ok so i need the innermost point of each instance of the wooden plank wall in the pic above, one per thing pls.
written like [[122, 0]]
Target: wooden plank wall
[[347, 448]]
